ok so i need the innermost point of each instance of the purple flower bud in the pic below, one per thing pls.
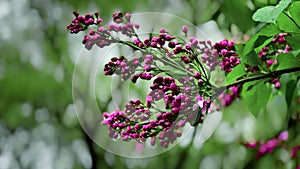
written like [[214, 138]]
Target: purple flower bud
[[263, 148], [137, 127], [283, 136], [169, 37], [153, 44], [92, 32], [188, 46], [147, 42], [115, 135], [277, 85], [173, 86], [128, 129], [137, 26], [271, 144], [153, 139], [224, 52], [175, 110], [111, 27], [99, 21], [197, 75], [163, 30], [90, 21], [184, 30], [155, 39], [121, 125], [164, 144], [172, 44], [178, 50], [128, 16]]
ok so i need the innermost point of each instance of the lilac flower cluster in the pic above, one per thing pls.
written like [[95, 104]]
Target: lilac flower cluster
[[81, 23], [229, 96], [211, 58], [277, 46], [121, 66], [269, 53], [137, 122], [134, 69], [226, 51], [123, 25], [270, 145], [221, 53], [186, 99], [102, 36], [181, 103]]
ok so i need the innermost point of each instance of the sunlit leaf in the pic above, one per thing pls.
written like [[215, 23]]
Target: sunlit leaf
[[269, 14]]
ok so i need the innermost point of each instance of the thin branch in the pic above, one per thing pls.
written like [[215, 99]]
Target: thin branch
[[219, 90], [259, 77]]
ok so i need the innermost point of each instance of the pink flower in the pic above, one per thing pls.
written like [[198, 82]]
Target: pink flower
[[283, 136], [271, 144], [263, 148]]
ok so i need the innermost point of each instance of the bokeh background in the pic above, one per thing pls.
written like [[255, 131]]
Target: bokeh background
[[39, 128]]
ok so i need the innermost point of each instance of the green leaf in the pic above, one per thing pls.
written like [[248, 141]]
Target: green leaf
[[288, 60], [269, 30], [286, 24], [294, 40], [254, 43], [251, 59], [290, 89], [239, 48], [262, 3], [256, 95], [289, 95], [269, 14], [237, 12], [237, 72], [265, 34], [295, 12]]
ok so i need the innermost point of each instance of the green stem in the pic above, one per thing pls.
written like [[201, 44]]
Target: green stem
[[172, 65], [201, 67], [131, 45]]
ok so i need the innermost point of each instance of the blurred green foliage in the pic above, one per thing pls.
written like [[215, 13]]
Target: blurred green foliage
[[38, 123]]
